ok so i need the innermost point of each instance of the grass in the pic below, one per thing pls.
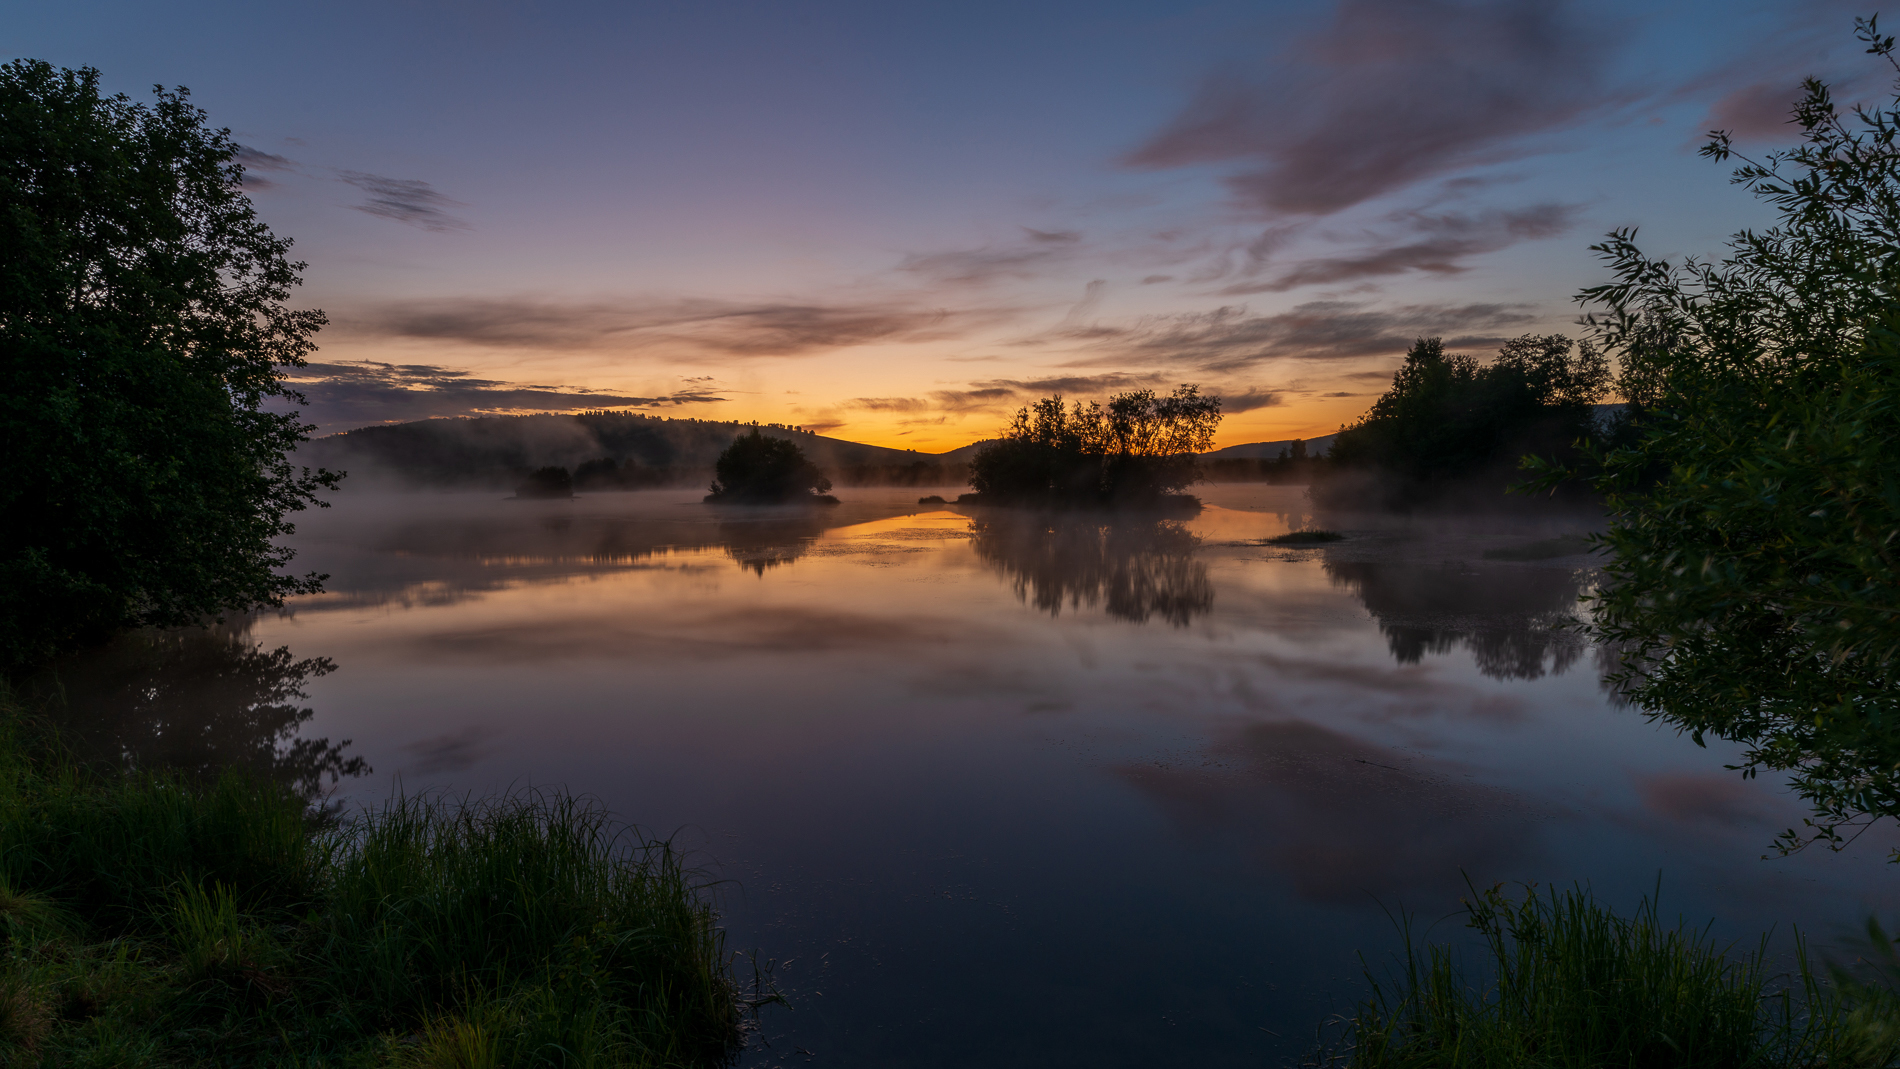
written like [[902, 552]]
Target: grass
[[1302, 538], [1546, 549], [148, 920], [1568, 984]]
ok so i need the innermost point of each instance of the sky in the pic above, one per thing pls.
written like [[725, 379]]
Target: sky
[[896, 223]]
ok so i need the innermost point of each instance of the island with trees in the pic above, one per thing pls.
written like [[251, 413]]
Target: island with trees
[[757, 469], [1136, 451]]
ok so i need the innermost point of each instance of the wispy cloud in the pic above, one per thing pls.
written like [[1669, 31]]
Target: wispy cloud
[[1233, 404], [1037, 251], [357, 394], [255, 161], [406, 200], [1431, 242], [1390, 93], [731, 329], [1231, 338]]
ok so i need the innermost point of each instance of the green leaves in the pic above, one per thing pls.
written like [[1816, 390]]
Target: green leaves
[[1753, 589], [143, 320]]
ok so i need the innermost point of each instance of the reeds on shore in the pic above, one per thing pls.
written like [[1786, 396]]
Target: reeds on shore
[[148, 919], [1566, 983]]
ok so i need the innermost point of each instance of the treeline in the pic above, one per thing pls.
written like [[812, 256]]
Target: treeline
[[1453, 430], [500, 451]]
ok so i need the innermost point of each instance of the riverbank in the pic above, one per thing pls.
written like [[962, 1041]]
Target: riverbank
[[149, 919], [1562, 980]]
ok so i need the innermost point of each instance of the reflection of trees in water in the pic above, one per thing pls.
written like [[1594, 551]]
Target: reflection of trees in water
[[770, 541], [1134, 569], [195, 700], [1511, 619]]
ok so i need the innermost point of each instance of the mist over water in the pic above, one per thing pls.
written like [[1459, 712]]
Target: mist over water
[[999, 788]]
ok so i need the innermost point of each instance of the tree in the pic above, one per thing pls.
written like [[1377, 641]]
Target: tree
[[1449, 420], [1137, 448], [144, 328], [1755, 514], [755, 469]]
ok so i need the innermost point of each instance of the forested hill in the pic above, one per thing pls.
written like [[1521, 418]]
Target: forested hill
[[496, 450]]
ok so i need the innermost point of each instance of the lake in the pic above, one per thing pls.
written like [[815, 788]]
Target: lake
[[1001, 789]]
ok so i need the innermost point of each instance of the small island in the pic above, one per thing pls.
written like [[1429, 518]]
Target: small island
[[1137, 451], [757, 470]]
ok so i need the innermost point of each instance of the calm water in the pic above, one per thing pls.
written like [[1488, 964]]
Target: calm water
[[997, 791]]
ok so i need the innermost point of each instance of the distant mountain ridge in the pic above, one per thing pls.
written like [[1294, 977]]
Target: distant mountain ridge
[[495, 450], [1271, 450]]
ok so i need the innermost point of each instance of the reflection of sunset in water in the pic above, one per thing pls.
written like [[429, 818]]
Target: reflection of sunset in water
[[968, 765]]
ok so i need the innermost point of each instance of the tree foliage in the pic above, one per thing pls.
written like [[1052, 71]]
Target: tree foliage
[[761, 470], [1756, 516], [1138, 447], [143, 322], [1449, 419]]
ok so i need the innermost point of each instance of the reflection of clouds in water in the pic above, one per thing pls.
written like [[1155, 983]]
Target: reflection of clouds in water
[[1513, 620], [1337, 817], [196, 700], [1133, 568], [451, 752], [1703, 799], [693, 633]]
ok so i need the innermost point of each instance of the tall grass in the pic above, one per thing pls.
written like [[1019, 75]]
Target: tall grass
[[154, 920], [1567, 984]]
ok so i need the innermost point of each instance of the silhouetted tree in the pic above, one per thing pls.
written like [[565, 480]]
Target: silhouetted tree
[[1450, 420], [1755, 581], [144, 329], [760, 470], [1138, 448]]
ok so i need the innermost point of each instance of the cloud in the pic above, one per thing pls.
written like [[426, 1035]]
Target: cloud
[[1233, 404], [1337, 817], [702, 325], [1390, 93], [1437, 243], [889, 404], [993, 263], [360, 394], [255, 160], [1230, 338], [405, 200], [1760, 111]]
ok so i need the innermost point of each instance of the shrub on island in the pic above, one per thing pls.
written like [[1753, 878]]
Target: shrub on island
[[1138, 449], [756, 470]]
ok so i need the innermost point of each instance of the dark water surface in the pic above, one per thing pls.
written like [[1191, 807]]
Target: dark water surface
[[996, 789]]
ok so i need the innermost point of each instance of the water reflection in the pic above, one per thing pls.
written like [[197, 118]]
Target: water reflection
[[1134, 569], [1338, 817], [1514, 621], [198, 701], [761, 539]]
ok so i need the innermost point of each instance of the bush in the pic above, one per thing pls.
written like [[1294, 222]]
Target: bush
[[1138, 449], [143, 319], [1450, 422], [1753, 581], [755, 469]]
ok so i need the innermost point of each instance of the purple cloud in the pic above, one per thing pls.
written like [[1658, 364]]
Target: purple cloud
[[1389, 93]]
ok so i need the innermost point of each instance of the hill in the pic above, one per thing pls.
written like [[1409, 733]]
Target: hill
[[495, 451], [1270, 450]]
